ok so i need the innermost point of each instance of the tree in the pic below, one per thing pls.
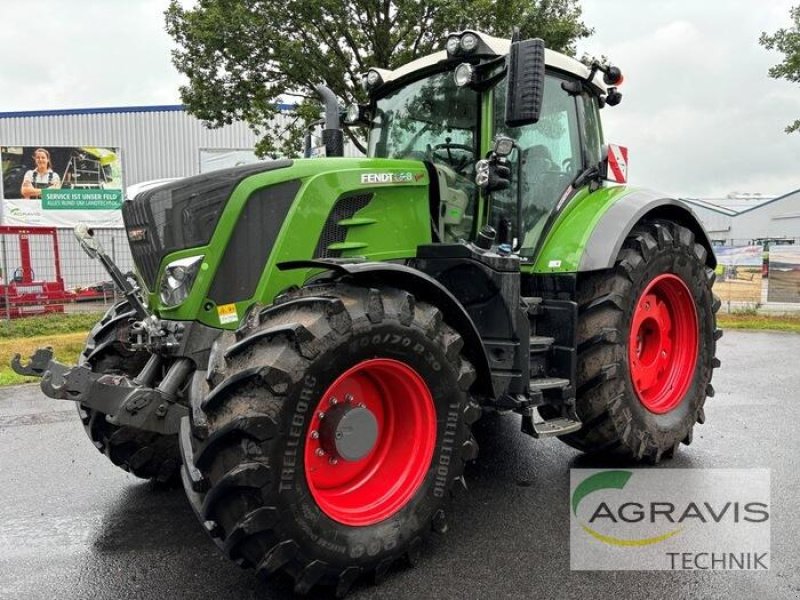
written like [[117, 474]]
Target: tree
[[786, 41], [242, 57]]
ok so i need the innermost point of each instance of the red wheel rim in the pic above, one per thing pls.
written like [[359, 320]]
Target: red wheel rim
[[662, 349], [388, 409]]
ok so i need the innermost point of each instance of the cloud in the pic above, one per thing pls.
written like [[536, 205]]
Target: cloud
[[699, 114], [92, 53]]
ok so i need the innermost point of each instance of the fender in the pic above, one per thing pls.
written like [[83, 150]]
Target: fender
[[424, 287], [589, 235]]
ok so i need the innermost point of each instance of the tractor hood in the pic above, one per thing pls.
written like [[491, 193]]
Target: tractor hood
[[182, 213], [225, 233]]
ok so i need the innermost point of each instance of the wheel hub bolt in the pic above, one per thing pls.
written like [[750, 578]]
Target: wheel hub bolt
[[321, 415], [320, 452], [315, 435], [333, 401], [332, 461], [348, 398]]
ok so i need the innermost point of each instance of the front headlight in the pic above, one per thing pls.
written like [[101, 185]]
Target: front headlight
[[463, 74], [469, 41], [178, 278]]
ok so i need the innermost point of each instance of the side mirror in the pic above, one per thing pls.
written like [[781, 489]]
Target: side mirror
[[525, 82], [85, 236]]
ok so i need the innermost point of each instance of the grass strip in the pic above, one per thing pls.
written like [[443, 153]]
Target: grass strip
[[67, 335], [52, 324], [790, 322], [67, 347]]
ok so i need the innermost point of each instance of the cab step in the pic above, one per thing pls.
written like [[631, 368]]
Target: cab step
[[541, 343], [548, 383], [535, 425]]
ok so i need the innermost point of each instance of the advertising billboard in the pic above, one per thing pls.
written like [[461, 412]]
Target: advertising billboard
[[784, 274], [60, 186], [739, 273], [739, 256]]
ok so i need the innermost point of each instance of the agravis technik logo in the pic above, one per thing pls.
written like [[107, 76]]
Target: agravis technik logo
[[670, 519]]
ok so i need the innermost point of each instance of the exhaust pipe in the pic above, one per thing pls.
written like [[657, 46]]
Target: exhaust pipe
[[332, 135]]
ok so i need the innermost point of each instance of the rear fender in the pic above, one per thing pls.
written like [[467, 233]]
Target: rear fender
[[589, 234], [618, 221]]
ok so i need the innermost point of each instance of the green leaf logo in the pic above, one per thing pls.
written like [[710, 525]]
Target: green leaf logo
[[616, 480], [599, 481]]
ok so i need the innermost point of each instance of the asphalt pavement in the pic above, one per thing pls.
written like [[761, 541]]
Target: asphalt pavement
[[73, 526]]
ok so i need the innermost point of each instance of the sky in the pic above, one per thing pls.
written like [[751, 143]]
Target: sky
[[699, 114]]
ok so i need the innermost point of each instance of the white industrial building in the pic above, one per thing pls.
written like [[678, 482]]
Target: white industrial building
[[749, 225], [745, 219], [154, 141]]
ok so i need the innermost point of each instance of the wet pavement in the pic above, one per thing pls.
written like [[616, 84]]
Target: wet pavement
[[73, 526]]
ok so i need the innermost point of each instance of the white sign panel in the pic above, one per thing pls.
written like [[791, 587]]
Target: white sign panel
[[61, 186]]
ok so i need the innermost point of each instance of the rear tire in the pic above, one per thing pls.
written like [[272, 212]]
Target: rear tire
[[646, 346], [282, 494], [145, 454]]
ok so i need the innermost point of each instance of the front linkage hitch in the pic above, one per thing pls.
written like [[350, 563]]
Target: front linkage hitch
[[135, 402]]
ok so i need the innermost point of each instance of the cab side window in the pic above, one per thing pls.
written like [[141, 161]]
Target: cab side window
[[592, 129]]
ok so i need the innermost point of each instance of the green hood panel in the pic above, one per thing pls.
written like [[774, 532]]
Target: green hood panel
[[391, 220]]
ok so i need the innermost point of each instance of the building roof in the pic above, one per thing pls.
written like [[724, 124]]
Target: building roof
[[737, 204], [708, 204], [106, 110]]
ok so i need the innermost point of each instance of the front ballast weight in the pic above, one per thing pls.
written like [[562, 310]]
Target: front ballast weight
[[126, 401], [136, 402]]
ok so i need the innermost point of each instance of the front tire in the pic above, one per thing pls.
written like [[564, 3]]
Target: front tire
[[145, 454], [646, 346], [337, 424]]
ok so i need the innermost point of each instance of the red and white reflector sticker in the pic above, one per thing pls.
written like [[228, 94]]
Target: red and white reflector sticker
[[617, 163]]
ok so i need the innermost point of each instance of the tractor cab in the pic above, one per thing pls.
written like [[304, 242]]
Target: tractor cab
[[448, 108]]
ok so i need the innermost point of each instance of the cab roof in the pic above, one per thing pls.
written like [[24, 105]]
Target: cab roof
[[496, 47]]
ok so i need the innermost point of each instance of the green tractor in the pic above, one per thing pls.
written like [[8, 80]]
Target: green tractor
[[307, 343]]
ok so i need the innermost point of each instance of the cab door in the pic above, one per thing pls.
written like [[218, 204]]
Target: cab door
[[549, 156]]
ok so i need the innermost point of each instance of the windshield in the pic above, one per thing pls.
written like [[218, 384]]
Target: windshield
[[434, 120], [424, 116]]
